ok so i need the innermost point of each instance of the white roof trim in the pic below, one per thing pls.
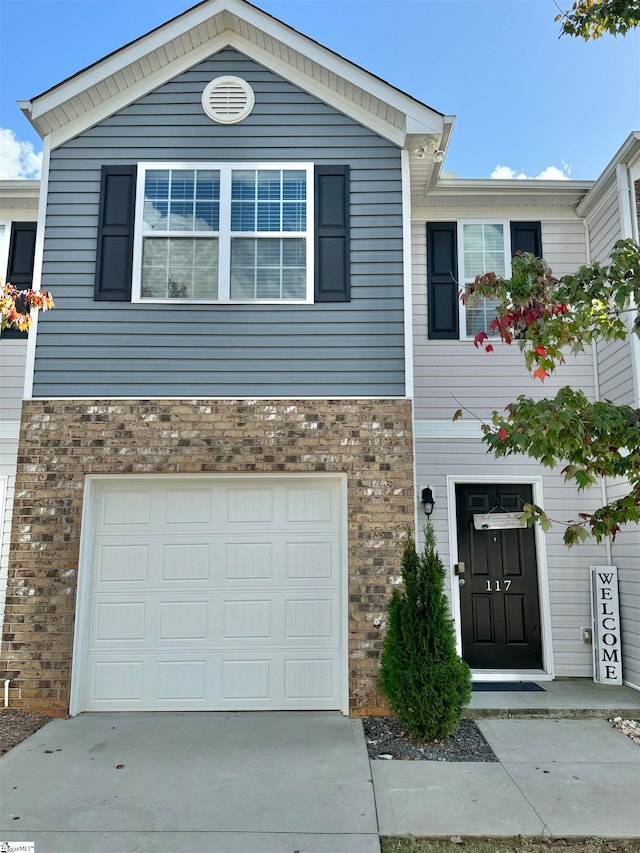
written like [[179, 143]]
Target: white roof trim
[[138, 68], [19, 194], [510, 185]]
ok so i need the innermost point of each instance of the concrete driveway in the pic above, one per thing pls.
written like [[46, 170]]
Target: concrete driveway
[[222, 782]]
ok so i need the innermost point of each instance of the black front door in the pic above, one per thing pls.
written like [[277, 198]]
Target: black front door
[[499, 602]]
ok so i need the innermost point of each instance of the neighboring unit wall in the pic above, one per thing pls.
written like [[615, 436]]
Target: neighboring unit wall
[[453, 374], [88, 348], [616, 382], [13, 354]]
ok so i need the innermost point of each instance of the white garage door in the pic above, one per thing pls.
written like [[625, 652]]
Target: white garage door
[[204, 594]]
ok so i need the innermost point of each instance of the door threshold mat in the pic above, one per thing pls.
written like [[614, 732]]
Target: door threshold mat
[[506, 687]]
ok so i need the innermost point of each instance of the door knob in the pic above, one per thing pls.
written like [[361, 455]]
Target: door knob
[[461, 581]]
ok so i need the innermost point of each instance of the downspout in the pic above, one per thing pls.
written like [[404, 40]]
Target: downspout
[[629, 227]]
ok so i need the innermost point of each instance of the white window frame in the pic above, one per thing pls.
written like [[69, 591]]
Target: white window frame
[[224, 234], [4, 248], [506, 227]]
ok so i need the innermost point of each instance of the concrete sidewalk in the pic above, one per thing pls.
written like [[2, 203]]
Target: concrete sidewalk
[[229, 783], [279, 782], [554, 777]]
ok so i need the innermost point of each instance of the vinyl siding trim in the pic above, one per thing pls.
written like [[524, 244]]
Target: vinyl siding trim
[[407, 275], [37, 267]]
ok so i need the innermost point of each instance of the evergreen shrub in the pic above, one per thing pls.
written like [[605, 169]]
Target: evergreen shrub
[[426, 683]]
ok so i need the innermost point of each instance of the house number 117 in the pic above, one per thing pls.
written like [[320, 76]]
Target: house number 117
[[494, 586]]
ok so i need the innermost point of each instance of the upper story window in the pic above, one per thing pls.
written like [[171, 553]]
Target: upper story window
[[483, 249], [457, 252], [224, 233]]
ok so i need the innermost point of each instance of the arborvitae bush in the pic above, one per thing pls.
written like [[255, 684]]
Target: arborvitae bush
[[426, 683]]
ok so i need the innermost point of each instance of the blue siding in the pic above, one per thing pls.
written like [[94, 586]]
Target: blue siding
[[88, 348]]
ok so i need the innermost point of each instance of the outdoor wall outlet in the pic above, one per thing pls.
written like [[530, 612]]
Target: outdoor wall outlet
[[587, 635]]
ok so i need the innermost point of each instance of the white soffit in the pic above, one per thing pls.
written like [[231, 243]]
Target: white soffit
[[141, 66], [19, 195], [488, 193]]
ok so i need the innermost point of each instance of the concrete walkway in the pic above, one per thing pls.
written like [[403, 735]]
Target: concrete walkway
[[280, 783], [554, 777], [229, 783]]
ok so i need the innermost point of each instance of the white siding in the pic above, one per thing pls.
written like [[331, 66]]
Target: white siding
[[604, 225], [616, 383], [12, 366], [615, 372], [568, 569], [451, 371]]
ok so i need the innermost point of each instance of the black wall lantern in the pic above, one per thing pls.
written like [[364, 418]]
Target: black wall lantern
[[427, 501]]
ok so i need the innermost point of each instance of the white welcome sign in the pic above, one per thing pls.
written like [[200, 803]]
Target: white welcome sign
[[605, 613]]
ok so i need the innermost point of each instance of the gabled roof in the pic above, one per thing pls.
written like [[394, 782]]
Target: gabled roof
[[141, 66]]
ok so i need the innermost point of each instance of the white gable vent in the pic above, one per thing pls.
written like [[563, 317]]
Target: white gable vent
[[228, 100]]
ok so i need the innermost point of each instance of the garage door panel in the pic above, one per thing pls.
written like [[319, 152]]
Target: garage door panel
[[247, 620], [120, 621], [307, 619], [184, 620], [123, 508], [248, 561], [122, 564], [311, 561], [213, 595], [238, 680], [182, 680], [310, 679], [189, 507], [115, 680], [185, 561], [309, 506]]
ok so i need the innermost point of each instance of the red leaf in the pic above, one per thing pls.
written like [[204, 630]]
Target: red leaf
[[488, 348], [541, 351], [503, 434], [479, 339], [540, 374]]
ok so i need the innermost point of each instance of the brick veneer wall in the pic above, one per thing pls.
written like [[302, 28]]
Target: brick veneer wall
[[61, 441]]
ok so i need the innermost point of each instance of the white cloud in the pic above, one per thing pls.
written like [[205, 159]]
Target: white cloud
[[551, 173], [17, 159], [502, 173]]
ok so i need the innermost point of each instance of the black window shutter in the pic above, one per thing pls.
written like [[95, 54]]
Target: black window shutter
[[22, 246], [442, 280], [526, 237], [114, 263], [332, 234]]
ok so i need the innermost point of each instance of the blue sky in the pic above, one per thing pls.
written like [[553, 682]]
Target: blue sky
[[524, 99]]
